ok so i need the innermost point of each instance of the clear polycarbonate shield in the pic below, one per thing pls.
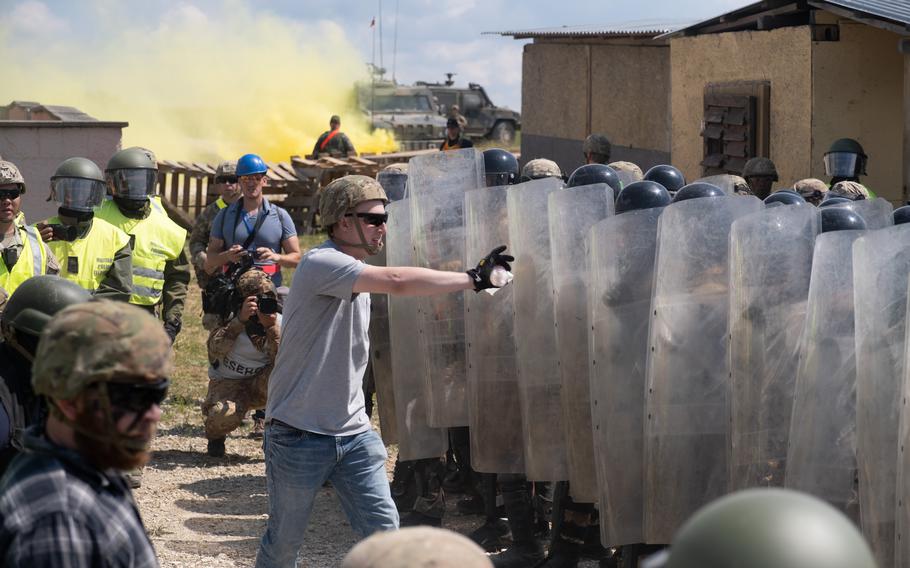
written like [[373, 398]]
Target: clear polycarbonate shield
[[416, 439], [627, 177], [877, 213], [726, 182], [770, 265], [881, 268], [621, 267], [540, 386], [493, 402], [821, 459], [572, 212], [437, 184], [687, 416], [902, 500], [78, 194], [133, 184], [840, 164], [394, 184]]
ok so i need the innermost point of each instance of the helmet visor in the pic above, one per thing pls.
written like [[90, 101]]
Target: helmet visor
[[496, 180], [78, 194], [841, 164], [133, 184]]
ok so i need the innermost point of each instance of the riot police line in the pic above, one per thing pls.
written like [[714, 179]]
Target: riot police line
[[659, 347]]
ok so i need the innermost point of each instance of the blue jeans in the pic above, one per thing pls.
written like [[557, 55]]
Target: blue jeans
[[298, 463]]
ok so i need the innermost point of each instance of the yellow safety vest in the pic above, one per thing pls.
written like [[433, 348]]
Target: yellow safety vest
[[32, 261], [155, 241], [91, 256], [220, 204]]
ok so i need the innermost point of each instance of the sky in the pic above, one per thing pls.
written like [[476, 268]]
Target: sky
[[156, 59]]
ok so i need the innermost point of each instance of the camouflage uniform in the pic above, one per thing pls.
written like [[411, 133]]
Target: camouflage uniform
[[9, 173], [540, 168], [338, 145], [229, 399]]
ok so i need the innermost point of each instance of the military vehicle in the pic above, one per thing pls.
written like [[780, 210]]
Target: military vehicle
[[410, 112], [485, 120]]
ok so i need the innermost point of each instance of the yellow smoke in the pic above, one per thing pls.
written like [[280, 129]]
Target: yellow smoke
[[201, 86]]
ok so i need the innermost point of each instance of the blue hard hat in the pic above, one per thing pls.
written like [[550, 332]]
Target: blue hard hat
[[251, 164]]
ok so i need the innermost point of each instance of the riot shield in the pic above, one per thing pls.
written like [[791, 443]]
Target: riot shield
[[902, 513], [881, 267], [535, 335], [821, 459], [726, 182], [572, 212], [621, 254], [394, 184], [381, 357], [686, 404], [437, 183], [493, 405], [770, 265], [416, 439], [877, 213]]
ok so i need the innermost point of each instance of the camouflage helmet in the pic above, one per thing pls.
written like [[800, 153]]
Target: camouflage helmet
[[397, 168], [850, 189], [417, 546], [226, 168], [760, 167], [740, 185], [597, 144], [9, 173], [763, 528], [344, 194], [253, 282], [633, 172], [100, 341], [540, 168]]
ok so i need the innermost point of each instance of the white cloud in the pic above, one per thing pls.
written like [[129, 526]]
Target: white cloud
[[35, 17]]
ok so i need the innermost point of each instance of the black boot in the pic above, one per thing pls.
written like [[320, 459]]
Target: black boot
[[493, 535], [526, 550], [404, 486], [567, 537], [430, 505]]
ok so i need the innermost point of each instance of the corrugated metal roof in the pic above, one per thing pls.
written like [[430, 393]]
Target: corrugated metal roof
[[895, 10], [637, 28]]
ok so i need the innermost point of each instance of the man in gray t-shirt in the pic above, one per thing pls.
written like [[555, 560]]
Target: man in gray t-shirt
[[317, 429]]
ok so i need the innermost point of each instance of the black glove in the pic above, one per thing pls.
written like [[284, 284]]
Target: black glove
[[172, 328], [481, 274]]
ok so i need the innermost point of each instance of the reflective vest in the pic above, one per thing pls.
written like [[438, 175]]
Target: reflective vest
[[155, 241], [32, 261], [220, 204], [87, 260]]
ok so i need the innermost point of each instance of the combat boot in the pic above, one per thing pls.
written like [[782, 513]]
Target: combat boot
[[526, 550], [493, 535], [216, 448]]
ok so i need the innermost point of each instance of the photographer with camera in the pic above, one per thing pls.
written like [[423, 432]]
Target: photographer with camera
[[241, 355]]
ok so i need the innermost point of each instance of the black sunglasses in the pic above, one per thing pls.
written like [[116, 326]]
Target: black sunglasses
[[226, 179], [10, 194], [137, 397], [371, 219]]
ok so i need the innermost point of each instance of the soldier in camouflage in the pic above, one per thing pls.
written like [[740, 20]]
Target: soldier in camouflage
[[333, 142], [241, 356], [103, 367], [597, 149], [540, 168], [228, 190]]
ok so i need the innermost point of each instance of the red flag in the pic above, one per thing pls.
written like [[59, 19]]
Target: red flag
[[373, 22]]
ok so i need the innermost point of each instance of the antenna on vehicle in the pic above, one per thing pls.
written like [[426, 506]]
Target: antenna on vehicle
[[381, 61], [449, 80], [395, 42]]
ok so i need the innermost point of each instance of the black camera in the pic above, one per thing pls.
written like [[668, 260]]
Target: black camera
[[267, 304], [221, 295], [65, 232]]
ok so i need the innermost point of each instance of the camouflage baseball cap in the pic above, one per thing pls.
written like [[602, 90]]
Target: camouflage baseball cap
[[398, 168], [99, 341], [9, 173], [597, 144], [344, 194], [540, 168], [417, 546], [633, 170], [254, 282], [850, 190], [226, 168]]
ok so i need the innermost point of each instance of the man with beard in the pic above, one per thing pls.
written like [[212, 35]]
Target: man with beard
[[103, 367]]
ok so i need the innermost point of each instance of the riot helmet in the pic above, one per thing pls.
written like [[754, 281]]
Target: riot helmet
[[831, 199], [394, 180], [845, 159], [132, 174], [667, 176], [785, 197], [642, 195], [500, 167], [766, 528], [77, 186], [595, 173], [31, 307], [902, 215], [698, 189], [841, 219]]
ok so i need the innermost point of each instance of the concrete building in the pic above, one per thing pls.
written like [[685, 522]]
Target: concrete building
[[596, 79], [38, 137]]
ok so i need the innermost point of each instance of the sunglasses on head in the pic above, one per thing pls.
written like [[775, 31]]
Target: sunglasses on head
[[371, 219], [226, 179], [137, 397], [10, 194]]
